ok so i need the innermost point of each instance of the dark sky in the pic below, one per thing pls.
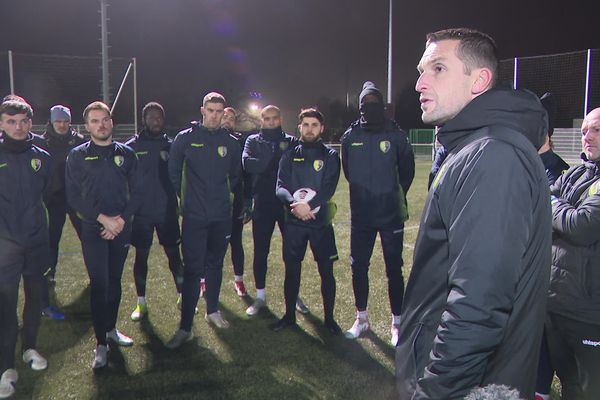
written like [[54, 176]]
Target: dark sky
[[293, 52]]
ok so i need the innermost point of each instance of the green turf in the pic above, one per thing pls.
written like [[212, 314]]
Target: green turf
[[247, 361]]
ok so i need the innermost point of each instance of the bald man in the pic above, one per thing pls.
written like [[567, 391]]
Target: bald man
[[573, 320]]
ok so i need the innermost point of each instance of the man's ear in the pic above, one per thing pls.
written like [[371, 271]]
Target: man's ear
[[482, 82]]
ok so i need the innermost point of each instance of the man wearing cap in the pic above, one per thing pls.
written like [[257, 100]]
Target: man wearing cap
[[379, 164], [25, 173], [58, 140], [309, 169], [573, 321]]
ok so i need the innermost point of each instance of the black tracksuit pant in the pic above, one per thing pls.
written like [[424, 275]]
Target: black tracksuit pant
[[575, 354], [57, 216], [16, 260], [362, 240], [237, 248], [204, 245], [104, 260], [322, 244], [263, 223]]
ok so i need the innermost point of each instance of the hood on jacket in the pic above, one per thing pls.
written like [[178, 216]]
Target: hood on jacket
[[519, 110]]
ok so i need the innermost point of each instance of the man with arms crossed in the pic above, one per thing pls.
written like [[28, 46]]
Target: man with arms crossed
[[474, 304]]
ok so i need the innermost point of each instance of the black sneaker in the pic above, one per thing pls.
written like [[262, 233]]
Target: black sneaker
[[282, 324], [333, 327]]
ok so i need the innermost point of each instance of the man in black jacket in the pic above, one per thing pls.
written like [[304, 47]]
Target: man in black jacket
[[573, 321], [309, 167], [25, 172], [204, 167], [260, 159], [158, 210], [58, 140], [379, 164], [104, 187], [474, 304]]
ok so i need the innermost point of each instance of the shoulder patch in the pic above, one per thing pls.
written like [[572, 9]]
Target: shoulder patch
[[36, 164]]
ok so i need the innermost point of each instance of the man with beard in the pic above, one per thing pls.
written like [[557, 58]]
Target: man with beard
[[58, 140], [25, 172], [104, 187], [242, 208], [204, 166], [158, 210], [474, 305], [260, 158], [309, 168], [379, 164]]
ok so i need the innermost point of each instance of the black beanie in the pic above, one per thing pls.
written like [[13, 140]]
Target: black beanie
[[369, 88], [549, 104]]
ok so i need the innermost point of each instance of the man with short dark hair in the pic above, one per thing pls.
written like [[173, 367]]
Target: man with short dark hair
[[242, 207], [379, 165], [573, 319], [260, 159], [25, 172], [474, 304], [158, 210], [58, 140], [307, 179], [204, 166], [104, 187]]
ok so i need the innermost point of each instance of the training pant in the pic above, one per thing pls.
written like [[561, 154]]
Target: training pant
[[322, 244], [16, 260], [104, 260], [362, 240], [545, 370], [169, 237], [57, 215], [575, 353], [204, 247], [263, 223]]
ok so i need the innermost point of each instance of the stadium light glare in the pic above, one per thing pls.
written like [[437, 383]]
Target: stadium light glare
[[254, 107]]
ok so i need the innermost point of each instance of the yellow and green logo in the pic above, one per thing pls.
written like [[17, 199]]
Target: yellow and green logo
[[283, 145], [385, 146], [3, 165], [356, 144], [36, 164], [119, 160], [164, 155], [318, 165], [594, 189], [222, 151]]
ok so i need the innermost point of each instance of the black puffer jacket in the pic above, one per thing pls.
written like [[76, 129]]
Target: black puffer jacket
[[475, 301], [575, 279]]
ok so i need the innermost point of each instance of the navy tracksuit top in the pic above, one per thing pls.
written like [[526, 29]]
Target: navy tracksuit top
[[24, 176], [159, 199], [103, 180], [310, 165], [204, 167]]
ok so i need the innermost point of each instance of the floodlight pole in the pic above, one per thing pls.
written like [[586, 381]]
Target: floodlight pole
[[11, 72], [389, 80], [105, 60], [587, 82], [135, 99]]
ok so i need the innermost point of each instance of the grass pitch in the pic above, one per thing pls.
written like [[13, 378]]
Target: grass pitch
[[247, 361]]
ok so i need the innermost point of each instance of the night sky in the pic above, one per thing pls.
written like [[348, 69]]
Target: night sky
[[293, 52]]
